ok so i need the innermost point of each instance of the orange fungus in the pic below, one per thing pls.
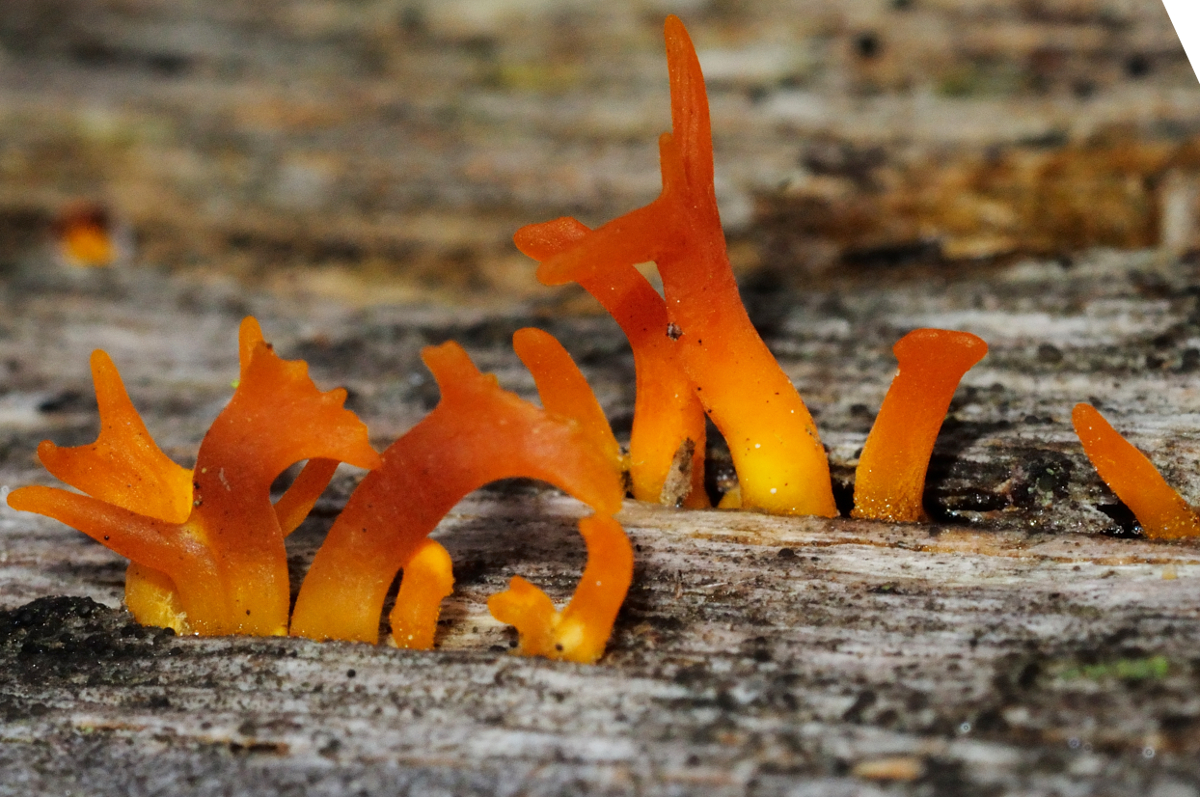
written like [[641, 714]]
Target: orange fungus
[[580, 631], [781, 465], [1161, 511], [668, 434], [477, 433], [564, 389], [207, 544], [891, 471], [85, 236]]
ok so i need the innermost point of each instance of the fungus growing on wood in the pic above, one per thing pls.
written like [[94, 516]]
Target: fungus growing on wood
[[564, 389], [478, 433], [1162, 512], [206, 544], [580, 631], [781, 465], [890, 479], [668, 435]]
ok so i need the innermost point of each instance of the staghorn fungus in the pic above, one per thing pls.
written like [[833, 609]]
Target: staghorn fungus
[[478, 433], [890, 479], [207, 544], [782, 467], [1161, 511], [667, 417], [564, 389], [580, 631]]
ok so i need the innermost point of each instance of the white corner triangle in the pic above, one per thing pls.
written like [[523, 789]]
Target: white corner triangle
[[1185, 16]]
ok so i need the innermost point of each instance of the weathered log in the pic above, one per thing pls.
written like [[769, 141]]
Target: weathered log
[[1026, 640]]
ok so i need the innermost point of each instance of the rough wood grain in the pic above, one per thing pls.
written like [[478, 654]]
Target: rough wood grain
[[1007, 647]]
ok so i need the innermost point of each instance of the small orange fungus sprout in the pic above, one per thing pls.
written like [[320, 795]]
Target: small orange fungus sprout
[[1161, 511], [580, 631], [890, 479], [668, 436], [478, 433], [781, 465], [85, 236], [206, 544]]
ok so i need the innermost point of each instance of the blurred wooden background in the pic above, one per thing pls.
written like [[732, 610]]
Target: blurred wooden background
[[402, 141]]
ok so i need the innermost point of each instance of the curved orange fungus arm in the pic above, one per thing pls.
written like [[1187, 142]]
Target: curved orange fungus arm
[[580, 631], [890, 479], [667, 416], [781, 465], [477, 433], [1163, 513], [300, 497], [222, 568], [563, 388]]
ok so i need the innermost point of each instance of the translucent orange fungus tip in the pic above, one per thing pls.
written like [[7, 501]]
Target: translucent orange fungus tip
[[206, 544], [1162, 512], [890, 479], [781, 465], [477, 433], [666, 445]]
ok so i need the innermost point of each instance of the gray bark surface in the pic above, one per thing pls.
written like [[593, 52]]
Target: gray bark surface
[[1008, 646]]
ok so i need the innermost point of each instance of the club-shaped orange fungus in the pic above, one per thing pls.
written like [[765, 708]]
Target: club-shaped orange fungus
[[1162, 512], [478, 433], [890, 479], [781, 465], [666, 446], [206, 544]]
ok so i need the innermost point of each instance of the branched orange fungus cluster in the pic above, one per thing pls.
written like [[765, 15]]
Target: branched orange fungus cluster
[[206, 545], [478, 433], [696, 350]]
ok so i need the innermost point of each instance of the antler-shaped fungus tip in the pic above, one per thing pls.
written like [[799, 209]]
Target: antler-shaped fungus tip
[[545, 240], [250, 334], [1161, 511], [891, 471], [564, 389], [690, 123], [453, 370], [124, 467]]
